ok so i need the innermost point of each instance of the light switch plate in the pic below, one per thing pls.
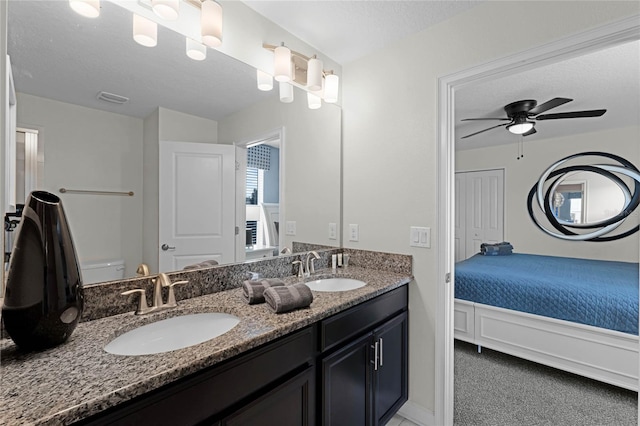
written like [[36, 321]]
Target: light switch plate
[[354, 233], [333, 231], [420, 237], [291, 227]]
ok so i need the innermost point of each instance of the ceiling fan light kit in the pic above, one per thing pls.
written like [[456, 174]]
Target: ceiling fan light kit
[[520, 114]]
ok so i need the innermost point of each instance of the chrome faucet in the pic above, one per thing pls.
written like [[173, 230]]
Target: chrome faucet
[[311, 268], [161, 281]]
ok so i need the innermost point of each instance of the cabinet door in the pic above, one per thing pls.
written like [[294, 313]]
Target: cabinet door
[[346, 378], [390, 376], [290, 404]]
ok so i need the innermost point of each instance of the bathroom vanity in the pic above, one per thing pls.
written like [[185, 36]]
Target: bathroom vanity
[[343, 360]]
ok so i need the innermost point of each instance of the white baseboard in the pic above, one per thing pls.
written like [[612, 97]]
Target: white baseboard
[[417, 414]]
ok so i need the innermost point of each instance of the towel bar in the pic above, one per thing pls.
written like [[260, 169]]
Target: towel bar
[[84, 191]]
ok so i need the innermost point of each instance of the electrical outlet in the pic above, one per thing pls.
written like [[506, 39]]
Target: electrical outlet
[[333, 231], [354, 234], [419, 237], [291, 227]]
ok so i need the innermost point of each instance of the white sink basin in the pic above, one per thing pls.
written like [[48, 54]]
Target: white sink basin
[[172, 333], [335, 284]]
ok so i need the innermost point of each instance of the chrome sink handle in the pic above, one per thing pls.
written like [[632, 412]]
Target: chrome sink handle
[[171, 299], [143, 308]]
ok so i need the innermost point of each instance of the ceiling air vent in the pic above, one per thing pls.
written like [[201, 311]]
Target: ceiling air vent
[[113, 98]]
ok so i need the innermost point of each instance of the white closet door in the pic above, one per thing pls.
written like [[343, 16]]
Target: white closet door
[[460, 244], [479, 213]]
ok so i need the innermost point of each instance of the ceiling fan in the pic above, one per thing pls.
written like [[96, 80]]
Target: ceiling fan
[[521, 113]]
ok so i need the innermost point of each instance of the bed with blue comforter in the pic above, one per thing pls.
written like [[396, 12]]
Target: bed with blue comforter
[[593, 292]]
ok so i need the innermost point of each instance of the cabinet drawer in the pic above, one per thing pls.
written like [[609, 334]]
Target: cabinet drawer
[[361, 318], [196, 398]]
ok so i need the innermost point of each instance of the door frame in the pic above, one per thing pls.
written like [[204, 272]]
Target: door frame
[[241, 165], [579, 44]]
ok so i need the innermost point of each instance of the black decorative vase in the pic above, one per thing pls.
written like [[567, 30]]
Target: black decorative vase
[[44, 295]]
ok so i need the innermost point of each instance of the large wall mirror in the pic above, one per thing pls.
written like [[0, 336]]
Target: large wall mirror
[[61, 61]]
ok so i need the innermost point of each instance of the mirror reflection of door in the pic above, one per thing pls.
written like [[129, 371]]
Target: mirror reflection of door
[[569, 202], [29, 162], [262, 198]]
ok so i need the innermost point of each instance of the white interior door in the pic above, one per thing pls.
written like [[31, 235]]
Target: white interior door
[[485, 209], [479, 216], [197, 204]]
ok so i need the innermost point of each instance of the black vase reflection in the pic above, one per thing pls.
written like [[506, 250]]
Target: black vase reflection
[[44, 297]]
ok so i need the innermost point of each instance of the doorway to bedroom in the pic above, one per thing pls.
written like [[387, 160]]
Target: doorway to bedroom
[[519, 167]]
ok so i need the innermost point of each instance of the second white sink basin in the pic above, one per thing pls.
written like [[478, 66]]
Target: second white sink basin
[[172, 333], [335, 284]]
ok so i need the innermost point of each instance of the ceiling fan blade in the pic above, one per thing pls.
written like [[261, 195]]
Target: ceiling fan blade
[[574, 114], [482, 131], [530, 132], [555, 102], [479, 119]]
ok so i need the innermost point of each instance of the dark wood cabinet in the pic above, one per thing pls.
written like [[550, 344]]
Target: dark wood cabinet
[[290, 404], [346, 377], [364, 380], [390, 385]]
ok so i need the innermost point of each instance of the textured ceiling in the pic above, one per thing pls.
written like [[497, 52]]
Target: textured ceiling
[[58, 54], [608, 79], [348, 30]]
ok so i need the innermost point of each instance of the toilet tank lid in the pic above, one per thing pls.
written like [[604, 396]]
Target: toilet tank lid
[[102, 264]]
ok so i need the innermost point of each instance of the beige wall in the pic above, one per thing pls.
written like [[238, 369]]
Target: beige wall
[[179, 127], [85, 148], [312, 160], [390, 138], [520, 176]]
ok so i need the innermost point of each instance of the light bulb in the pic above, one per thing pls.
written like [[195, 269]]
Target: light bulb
[[314, 74], [86, 8], [196, 51], [286, 92], [265, 81], [282, 63], [313, 101], [211, 23], [520, 128], [145, 31], [331, 87], [166, 9]]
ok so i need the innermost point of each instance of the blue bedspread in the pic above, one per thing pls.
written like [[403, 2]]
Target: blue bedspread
[[593, 292]]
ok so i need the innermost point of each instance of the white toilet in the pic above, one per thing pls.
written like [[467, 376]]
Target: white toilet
[[102, 271]]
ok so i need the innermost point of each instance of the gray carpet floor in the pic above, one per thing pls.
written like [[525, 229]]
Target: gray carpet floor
[[492, 388]]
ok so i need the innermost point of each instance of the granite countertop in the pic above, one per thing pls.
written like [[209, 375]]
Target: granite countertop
[[78, 379]]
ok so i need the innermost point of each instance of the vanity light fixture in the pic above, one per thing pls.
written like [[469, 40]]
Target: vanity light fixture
[[145, 31], [521, 126], [265, 81], [166, 9], [86, 8], [304, 72], [211, 23], [286, 92], [196, 50]]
